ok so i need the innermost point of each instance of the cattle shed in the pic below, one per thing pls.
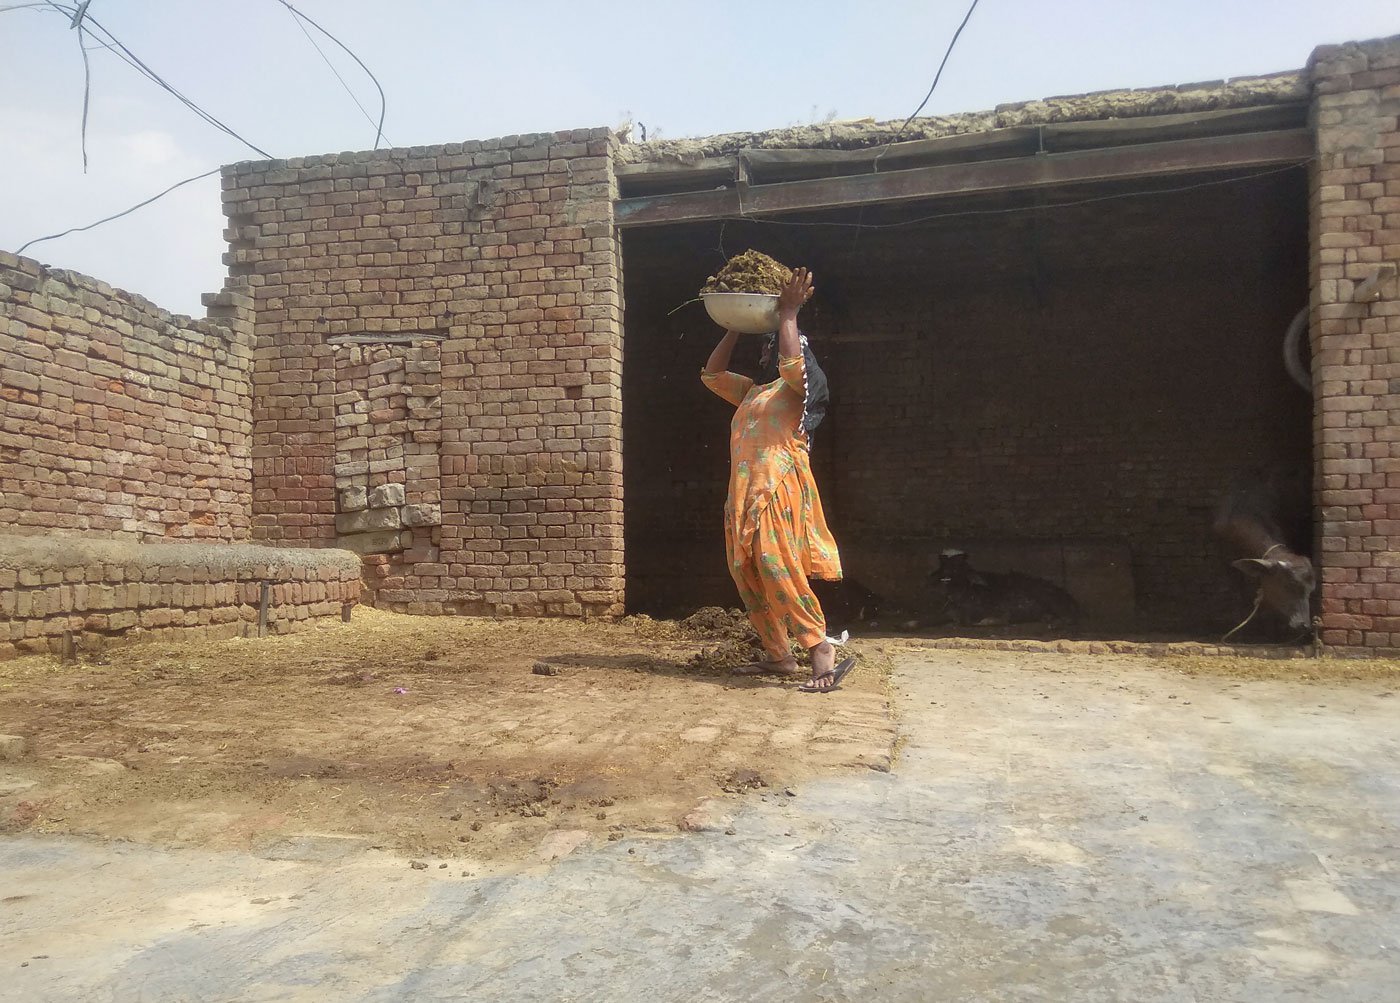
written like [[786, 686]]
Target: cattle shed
[[1054, 333], [1057, 376]]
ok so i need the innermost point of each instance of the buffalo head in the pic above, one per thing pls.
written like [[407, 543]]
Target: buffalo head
[[1286, 582]]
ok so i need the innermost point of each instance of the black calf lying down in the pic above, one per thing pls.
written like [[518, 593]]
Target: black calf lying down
[[850, 605], [979, 598]]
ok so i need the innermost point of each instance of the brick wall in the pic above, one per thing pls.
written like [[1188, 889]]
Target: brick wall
[[388, 469], [503, 252], [1089, 377], [1355, 210], [119, 419]]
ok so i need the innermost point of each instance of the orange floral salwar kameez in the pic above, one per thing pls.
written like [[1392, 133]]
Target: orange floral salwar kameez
[[775, 533]]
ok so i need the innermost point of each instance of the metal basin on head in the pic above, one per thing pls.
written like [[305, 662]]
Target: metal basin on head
[[746, 313]]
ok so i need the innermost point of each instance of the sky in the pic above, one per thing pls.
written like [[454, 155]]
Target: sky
[[454, 70]]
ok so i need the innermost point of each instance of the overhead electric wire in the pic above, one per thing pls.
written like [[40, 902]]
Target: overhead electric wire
[[87, 92], [875, 166], [329, 65], [114, 45], [297, 18], [122, 56], [117, 46], [75, 21], [124, 212], [155, 77], [383, 103], [937, 76]]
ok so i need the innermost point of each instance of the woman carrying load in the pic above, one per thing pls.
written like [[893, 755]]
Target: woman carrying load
[[775, 534]]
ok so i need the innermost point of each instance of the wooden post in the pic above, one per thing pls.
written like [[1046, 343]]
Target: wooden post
[[263, 600]]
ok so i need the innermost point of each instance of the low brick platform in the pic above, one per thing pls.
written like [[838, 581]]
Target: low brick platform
[[1148, 649], [99, 591]]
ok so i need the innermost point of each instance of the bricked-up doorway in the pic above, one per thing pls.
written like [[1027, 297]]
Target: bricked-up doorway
[[1066, 390]]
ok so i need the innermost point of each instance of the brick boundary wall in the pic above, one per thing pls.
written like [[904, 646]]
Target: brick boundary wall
[[504, 254], [101, 591], [117, 418], [1355, 325]]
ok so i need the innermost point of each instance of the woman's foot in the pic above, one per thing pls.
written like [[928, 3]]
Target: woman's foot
[[823, 662], [781, 667], [826, 682]]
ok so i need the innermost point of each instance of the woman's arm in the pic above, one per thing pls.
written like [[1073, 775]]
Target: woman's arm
[[795, 294], [731, 386], [719, 358]]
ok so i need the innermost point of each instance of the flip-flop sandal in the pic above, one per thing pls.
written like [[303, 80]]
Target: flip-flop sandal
[[761, 669], [836, 675]]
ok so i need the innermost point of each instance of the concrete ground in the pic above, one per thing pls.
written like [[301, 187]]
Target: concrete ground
[[1055, 829]]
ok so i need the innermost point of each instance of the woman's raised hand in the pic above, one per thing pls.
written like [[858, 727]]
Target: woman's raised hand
[[796, 293]]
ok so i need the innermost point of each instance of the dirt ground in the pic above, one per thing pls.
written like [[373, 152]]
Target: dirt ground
[[472, 740], [476, 741]]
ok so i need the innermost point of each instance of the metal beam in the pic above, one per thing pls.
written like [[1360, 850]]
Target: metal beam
[[722, 166], [650, 177], [1116, 163]]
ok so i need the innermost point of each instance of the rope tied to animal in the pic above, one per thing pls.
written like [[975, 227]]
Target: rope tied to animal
[[1258, 599]]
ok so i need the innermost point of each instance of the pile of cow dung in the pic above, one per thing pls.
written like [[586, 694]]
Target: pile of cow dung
[[729, 639], [726, 656], [750, 272], [706, 624], [710, 623], [717, 622]]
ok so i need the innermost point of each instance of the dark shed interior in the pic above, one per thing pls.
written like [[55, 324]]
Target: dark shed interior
[[1061, 382]]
